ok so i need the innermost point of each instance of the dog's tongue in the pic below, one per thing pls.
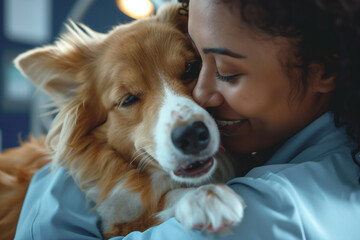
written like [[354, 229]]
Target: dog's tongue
[[222, 148]]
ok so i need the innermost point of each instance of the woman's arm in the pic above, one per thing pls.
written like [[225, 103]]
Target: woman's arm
[[55, 208], [270, 214]]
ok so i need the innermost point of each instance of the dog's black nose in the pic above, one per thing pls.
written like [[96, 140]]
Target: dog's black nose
[[191, 138]]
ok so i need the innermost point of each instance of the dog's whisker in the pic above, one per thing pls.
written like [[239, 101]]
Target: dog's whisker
[[141, 151], [135, 158], [143, 156], [137, 153], [144, 163]]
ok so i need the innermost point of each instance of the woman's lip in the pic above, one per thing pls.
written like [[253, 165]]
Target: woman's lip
[[229, 127]]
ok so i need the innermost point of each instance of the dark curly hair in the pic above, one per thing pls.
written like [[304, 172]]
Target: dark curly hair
[[323, 31]]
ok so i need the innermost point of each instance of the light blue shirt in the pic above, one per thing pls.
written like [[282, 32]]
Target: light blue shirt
[[309, 189]]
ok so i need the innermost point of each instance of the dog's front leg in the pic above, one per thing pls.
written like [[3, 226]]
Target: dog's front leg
[[211, 207]]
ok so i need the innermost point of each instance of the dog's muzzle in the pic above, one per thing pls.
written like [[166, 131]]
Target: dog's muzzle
[[191, 139]]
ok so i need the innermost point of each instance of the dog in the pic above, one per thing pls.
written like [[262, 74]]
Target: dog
[[127, 129]]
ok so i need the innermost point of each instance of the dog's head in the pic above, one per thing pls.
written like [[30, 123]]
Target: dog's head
[[125, 101]]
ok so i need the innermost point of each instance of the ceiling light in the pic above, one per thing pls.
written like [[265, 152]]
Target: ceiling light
[[136, 8]]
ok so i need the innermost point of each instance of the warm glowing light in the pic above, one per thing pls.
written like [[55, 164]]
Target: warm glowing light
[[136, 8]]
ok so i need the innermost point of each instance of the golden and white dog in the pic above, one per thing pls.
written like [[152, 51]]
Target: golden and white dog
[[127, 129]]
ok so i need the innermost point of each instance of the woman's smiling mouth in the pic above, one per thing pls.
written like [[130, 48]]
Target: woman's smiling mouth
[[229, 127]]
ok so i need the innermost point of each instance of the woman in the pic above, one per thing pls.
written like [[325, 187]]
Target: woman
[[281, 78]]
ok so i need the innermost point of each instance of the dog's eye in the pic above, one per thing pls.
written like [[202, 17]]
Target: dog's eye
[[191, 71], [129, 101]]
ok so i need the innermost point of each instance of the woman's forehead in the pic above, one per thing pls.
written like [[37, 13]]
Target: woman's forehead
[[215, 25]]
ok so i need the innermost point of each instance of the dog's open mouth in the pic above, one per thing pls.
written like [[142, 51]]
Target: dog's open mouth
[[195, 169]]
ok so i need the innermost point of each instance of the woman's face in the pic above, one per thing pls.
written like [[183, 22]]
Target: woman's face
[[243, 82]]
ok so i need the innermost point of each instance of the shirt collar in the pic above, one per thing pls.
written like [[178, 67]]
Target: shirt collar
[[319, 137]]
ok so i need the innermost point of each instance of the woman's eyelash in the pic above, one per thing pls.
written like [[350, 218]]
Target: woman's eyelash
[[226, 78]]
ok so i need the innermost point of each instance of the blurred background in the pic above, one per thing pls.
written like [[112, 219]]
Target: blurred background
[[26, 24]]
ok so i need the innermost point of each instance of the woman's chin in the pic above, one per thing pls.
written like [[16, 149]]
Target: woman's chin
[[238, 145]]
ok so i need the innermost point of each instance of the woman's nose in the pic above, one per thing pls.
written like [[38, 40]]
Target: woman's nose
[[206, 92]]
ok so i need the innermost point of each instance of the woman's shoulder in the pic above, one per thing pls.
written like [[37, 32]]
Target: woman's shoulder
[[299, 196], [319, 156]]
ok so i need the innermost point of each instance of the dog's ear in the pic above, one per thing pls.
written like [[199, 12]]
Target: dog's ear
[[174, 14], [54, 68]]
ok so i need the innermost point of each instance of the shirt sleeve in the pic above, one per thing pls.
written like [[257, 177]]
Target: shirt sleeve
[[270, 214], [55, 208]]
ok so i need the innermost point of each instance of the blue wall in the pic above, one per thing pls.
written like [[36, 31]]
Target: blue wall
[[101, 16]]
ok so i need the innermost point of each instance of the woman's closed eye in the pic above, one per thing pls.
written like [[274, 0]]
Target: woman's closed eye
[[227, 78]]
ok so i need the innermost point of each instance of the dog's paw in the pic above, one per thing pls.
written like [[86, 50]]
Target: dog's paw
[[210, 207]]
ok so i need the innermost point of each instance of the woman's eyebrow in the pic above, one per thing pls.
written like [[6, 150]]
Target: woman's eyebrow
[[222, 51]]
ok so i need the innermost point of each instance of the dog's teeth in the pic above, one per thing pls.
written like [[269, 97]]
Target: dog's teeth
[[190, 166], [195, 168], [187, 166]]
